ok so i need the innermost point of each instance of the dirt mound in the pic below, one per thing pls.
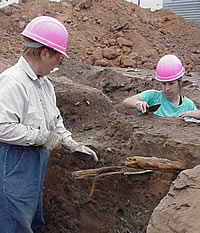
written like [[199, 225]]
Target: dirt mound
[[107, 33], [80, 105]]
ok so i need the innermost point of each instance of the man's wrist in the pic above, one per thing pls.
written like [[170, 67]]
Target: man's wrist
[[70, 143]]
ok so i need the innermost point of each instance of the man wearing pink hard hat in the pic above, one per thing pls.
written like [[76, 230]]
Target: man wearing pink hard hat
[[31, 126], [169, 72]]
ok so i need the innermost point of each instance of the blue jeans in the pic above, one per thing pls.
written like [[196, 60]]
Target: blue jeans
[[22, 171]]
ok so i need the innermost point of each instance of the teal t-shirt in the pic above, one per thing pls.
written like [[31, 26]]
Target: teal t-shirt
[[167, 109]]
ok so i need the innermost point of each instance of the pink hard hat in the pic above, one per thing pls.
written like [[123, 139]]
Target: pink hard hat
[[169, 68], [47, 31]]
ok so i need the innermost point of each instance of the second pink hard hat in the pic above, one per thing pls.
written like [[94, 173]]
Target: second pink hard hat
[[169, 68]]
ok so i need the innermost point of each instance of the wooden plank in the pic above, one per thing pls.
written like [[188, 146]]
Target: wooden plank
[[154, 163]]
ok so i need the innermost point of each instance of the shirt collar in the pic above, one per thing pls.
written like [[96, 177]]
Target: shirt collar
[[27, 68]]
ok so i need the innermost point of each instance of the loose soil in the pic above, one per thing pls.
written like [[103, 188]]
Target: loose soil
[[106, 39], [121, 203]]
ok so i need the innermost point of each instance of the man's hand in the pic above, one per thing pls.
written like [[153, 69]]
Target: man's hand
[[74, 146], [87, 150]]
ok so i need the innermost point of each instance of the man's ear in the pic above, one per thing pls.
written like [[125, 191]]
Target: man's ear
[[44, 53]]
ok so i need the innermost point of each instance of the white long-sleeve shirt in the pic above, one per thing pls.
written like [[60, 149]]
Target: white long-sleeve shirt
[[27, 104]]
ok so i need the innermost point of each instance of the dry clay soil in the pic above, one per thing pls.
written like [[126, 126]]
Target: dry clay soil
[[90, 97]]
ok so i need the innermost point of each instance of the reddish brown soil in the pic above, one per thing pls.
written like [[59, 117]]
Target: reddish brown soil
[[108, 33], [90, 101]]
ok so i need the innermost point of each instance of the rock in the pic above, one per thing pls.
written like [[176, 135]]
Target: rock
[[85, 4], [178, 211], [111, 53], [102, 62], [112, 42], [127, 61], [124, 42], [97, 55], [126, 50], [119, 34]]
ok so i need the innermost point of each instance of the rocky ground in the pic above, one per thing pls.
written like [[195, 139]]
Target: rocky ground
[[90, 102], [107, 33], [107, 38]]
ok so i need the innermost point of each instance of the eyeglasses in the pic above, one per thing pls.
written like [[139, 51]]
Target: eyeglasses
[[59, 57]]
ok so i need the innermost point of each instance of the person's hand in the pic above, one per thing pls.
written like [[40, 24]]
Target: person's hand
[[186, 114], [141, 106], [48, 139], [70, 143], [194, 113], [87, 150]]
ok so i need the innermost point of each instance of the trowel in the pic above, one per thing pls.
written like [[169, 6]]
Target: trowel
[[153, 108], [87, 157], [82, 156]]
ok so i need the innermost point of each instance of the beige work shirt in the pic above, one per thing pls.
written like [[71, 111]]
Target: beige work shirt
[[27, 104]]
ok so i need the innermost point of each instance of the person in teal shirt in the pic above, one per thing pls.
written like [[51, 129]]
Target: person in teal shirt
[[169, 72], [167, 108]]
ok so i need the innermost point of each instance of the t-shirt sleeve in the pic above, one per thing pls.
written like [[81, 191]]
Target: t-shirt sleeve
[[150, 96], [189, 105], [193, 106]]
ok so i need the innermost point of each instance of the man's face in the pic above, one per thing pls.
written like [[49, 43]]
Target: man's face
[[171, 89], [49, 61]]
